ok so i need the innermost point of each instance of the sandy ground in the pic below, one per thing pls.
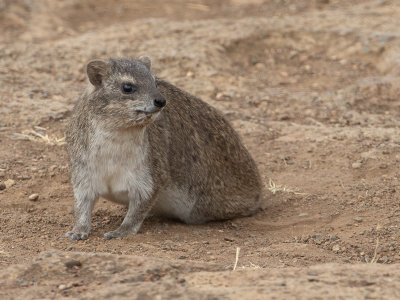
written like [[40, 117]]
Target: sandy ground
[[312, 87]]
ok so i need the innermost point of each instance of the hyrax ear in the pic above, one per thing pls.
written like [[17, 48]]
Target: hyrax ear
[[96, 70], [146, 60]]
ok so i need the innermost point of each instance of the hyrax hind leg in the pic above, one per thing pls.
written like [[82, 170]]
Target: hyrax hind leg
[[209, 208], [139, 207]]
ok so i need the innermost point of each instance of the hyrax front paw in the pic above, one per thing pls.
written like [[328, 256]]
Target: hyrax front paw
[[77, 235]]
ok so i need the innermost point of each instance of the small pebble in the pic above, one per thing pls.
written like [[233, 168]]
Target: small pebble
[[2, 186], [303, 58], [333, 237], [219, 96], [73, 263], [284, 74], [303, 215], [335, 248], [384, 259], [34, 197], [358, 219], [229, 239], [356, 165], [234, 225], [9, 183]]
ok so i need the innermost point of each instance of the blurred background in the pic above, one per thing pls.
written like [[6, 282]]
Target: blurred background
[[43, 19]]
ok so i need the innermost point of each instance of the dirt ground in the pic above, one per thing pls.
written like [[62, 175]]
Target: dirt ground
[[312, 86]]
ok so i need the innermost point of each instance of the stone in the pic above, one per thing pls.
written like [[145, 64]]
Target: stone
[[34, 197], [9, 183]]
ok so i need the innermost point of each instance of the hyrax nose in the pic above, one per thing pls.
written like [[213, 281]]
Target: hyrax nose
[[160, 102]]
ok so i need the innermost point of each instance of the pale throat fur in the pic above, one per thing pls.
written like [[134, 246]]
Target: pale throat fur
[[119, 163]]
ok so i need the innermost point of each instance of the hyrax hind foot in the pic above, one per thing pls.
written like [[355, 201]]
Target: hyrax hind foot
[[115, 234], [120, 233]]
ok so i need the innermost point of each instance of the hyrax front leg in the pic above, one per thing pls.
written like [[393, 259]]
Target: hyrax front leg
[[139, 207], [84, 203]]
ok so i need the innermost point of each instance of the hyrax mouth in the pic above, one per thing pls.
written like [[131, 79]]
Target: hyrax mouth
[[150, 111], [146, 116]]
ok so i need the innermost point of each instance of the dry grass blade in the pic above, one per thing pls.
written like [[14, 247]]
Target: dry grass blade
[[251, 267], [21, 136], [39, 128], [274, 188], [237, 258], [198, 6], [34, 136], [374, 259]]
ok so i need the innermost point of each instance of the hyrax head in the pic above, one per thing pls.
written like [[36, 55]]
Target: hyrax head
[[125, 92]]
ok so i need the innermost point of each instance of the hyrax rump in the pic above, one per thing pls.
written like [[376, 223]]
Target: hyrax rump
[[140, 141]]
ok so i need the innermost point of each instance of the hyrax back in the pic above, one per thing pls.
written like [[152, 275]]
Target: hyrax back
[[139, 140]]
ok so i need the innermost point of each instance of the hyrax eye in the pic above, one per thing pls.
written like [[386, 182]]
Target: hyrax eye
[[128, 88]]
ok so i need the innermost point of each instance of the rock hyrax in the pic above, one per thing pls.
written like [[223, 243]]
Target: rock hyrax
[[138, 140]]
